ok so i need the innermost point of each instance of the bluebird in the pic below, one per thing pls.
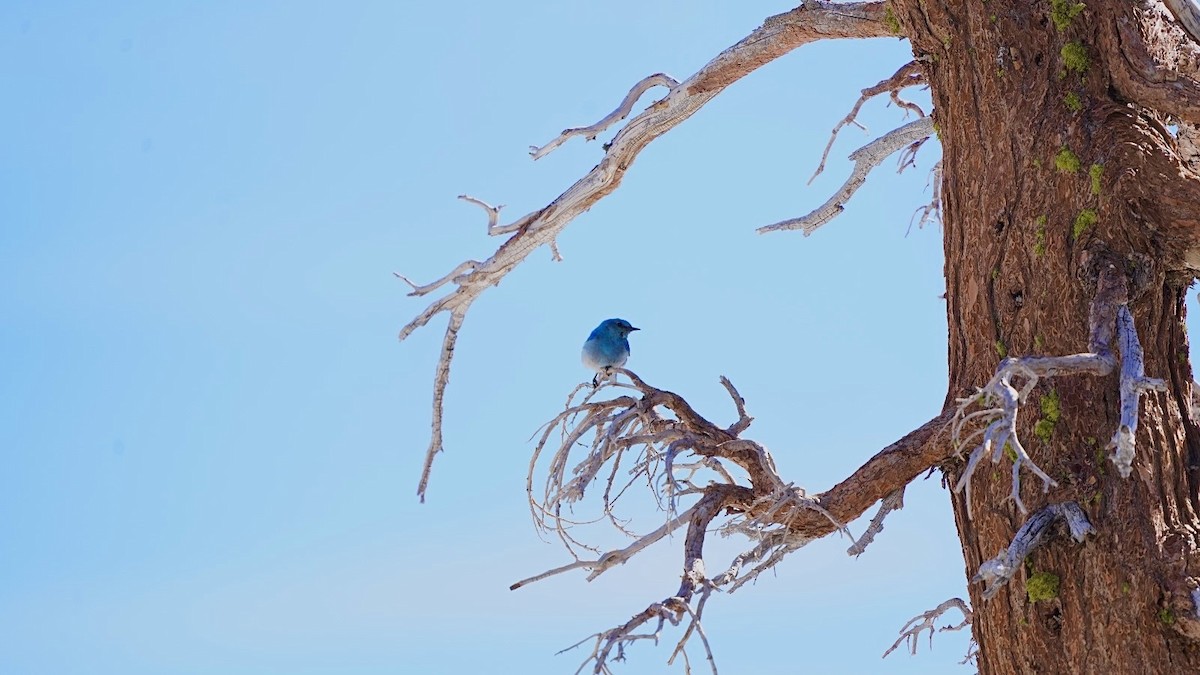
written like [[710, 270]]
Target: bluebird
[[607, 347]]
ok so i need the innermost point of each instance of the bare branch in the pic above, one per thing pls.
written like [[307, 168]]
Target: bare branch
[[463, 267], [779, 35], [744, 420], [493, 226], [622, 111], [657, 428], [1002, 399], [999, 570], [1188, 16], [865, 158], [613, 558], [1134, 384], [892, 502], [440, 378], [909, 74], [911, 632], [931, 212]]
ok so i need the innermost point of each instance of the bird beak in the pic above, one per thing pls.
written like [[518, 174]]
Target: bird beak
[[632, 328]]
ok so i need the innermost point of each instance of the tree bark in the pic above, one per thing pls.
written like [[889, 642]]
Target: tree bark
[[1057, 161]]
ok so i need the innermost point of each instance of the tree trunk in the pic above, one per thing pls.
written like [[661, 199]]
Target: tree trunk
[[1053, 170]]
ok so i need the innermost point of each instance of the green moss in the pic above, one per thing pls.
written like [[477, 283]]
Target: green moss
[[995, 273], [1166, 616], [1037, 163], [1096, 172], [1125, 588], [1066, 161], [1039, 236], [1001, 349], [1051, 406], [1043, 430], [1075, 57], [1010, 453], [1073, 102], [1083, 221], [992, 18], [1051, 413], [1038, 342], [890, 20], [1063, 12], [1042, 586]]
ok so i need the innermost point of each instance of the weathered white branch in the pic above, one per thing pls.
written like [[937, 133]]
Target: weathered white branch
[[463, 268], [931, 212], [999, 570], [779, 35], [865, 159], [911, 632], [494, 228], [892, 502], [616, 557], [440, 378], [908, 75], [1188, 15], [621, 112], [1002, 400], [1134, 384]]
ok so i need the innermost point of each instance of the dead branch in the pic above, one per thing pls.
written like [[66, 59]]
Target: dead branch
[[999, 570], [1188, 16], [1001, 400], [668, 446], [865, 159], [911, 632], [1134, 384], [892, 502], [778, 35], [931, 212], [622, 111], [910, 74]]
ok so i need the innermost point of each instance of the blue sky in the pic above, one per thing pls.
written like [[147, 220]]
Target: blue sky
[[212, 439]]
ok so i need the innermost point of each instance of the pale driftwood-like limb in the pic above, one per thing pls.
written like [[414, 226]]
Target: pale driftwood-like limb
[[621, 112], [613, 558], [1134, 384], [911, 632], [779, 35], [610, 645], [909, 74], [865, 159], [494, 228], [1187, 14], [1002, 400], [892, 502], [931, 212], [580, 449], [440, 379], [998, 571]]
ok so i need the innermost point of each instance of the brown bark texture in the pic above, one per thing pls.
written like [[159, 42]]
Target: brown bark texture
[[1057, 123]]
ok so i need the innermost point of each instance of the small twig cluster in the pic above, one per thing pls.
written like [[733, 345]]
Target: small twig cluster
[[653, 437], [911, 631]]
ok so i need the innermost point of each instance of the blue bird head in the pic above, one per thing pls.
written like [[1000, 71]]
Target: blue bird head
[[619, 327]]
